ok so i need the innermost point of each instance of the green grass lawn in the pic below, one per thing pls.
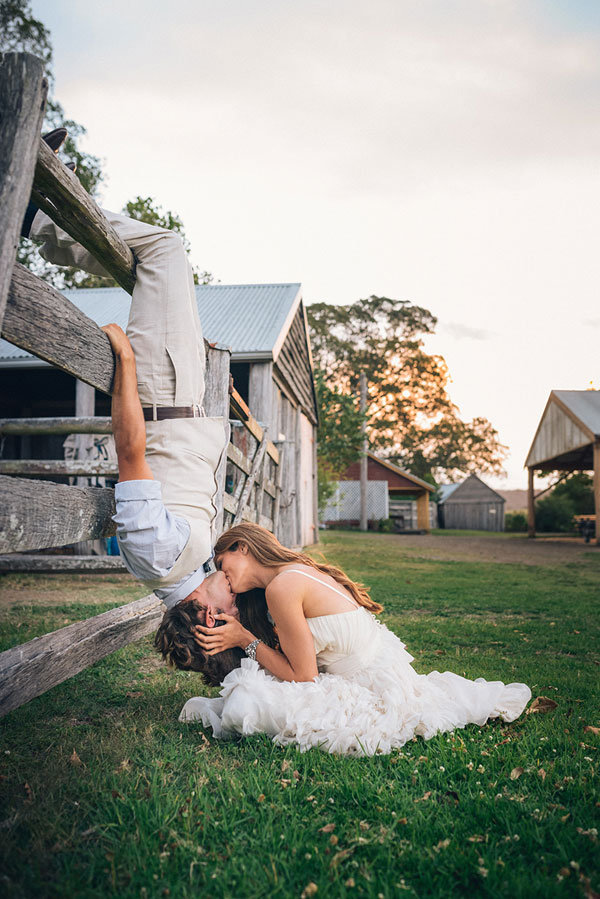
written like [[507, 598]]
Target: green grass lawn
[[104, 793]]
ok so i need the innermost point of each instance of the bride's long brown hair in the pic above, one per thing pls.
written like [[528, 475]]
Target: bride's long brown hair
[[268, 551]]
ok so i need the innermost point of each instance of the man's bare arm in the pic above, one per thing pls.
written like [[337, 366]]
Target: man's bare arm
[[129, 428]]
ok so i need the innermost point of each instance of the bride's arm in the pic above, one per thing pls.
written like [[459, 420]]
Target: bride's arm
[[297, 660]]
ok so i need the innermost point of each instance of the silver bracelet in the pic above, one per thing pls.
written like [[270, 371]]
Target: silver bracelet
[[250, 649]]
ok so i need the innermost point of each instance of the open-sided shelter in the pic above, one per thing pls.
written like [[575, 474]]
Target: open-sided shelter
[[567, 439]]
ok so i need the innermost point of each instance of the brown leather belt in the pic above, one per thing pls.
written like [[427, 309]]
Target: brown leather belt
[[158, 413]]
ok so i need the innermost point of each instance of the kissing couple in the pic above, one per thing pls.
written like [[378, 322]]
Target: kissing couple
[[296, 645]]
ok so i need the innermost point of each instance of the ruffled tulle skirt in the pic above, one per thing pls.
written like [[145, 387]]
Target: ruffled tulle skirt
[[375, 706]]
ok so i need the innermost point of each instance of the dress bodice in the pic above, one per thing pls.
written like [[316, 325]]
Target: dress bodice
[[345, 641]]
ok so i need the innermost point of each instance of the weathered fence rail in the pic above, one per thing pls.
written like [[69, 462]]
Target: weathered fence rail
[[38, 514], [29, 670]]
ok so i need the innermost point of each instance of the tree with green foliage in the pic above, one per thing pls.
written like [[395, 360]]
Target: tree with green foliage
[[410, 417], [21, 32]]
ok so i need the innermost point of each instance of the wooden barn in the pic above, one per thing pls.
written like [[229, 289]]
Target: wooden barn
[[403, 489], [567, 439], [265, 327], [470, 505]]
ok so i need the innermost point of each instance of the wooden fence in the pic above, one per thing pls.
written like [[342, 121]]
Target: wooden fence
[[35, 513]]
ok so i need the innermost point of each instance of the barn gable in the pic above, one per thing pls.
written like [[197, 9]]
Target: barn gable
[[569, 424], [472, 489], [382, 470]]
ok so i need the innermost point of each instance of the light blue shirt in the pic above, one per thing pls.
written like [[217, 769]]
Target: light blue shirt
[[151, 538]]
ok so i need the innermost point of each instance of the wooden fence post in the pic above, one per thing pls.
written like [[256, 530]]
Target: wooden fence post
[[22, 100]]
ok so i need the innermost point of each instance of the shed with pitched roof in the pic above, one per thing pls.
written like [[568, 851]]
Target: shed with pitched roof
[[470, 505]]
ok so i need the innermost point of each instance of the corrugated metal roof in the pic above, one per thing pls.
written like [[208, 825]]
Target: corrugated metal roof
[[585, 405], [249, 318], [445, 490]]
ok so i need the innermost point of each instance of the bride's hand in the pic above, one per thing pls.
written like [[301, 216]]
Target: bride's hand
[[217, 639]]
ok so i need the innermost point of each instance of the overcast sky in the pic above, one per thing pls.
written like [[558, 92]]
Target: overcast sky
[[444, 152]]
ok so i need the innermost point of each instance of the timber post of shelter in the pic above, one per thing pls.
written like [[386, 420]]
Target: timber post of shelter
[[37, 318]]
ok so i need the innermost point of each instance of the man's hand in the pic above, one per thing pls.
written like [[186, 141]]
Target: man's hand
[[119, 341]]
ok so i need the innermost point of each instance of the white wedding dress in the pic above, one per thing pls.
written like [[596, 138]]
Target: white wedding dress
[[367, 698]]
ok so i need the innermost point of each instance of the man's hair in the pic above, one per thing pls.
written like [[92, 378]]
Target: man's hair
[[175, 641]]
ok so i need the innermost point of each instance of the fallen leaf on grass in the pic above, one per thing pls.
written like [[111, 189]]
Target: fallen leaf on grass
[[333, 840], [75, 760], [476, 838], [424, 797], [341, 855], [285, 782], [205, 744], [260, 798], [124, 766], [309, 890], [364, 825], [516, 773], [443, 844], [402, 820], [28, 792], [328, 828], [541, 704], [285, 765], [564, 818], [542, 774], [588, 729]]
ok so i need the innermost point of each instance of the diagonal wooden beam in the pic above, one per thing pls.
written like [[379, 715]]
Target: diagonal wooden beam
[[256, 464], [61, 195], [22, 100], [31, 669]]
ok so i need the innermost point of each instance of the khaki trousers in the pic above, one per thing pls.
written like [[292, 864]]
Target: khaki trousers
[[166, 336]]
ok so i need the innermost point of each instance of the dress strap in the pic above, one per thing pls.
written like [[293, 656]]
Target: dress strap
[[313, 578]]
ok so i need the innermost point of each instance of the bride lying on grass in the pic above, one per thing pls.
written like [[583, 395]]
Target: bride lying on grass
[[334, 677]]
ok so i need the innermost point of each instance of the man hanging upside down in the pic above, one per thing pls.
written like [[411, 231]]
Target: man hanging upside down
[[168, 450]]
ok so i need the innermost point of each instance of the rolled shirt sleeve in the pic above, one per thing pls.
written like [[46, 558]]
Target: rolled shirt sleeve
[[150, 537]]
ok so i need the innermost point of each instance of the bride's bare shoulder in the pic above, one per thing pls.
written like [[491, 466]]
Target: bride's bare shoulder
[[290, 580]]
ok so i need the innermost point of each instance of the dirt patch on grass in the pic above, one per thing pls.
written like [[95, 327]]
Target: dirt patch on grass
[[50, 590], [546, 551]]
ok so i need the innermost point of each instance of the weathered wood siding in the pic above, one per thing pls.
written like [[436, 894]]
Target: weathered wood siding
[[557, 435], [293, 366]]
